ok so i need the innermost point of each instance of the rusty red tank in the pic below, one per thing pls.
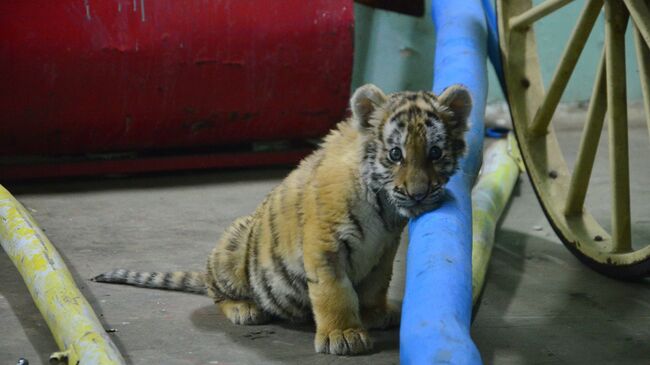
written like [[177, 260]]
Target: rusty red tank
[[165, 79]]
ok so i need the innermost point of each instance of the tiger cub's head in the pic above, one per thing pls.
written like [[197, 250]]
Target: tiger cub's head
[[413, 142]]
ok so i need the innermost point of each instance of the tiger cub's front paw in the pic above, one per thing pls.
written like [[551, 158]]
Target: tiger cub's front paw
[[381, 318], [351, 341]]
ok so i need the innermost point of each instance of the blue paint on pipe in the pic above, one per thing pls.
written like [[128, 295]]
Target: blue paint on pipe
[[437, 307]]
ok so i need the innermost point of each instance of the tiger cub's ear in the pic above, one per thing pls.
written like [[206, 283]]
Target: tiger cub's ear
[[365, 100], [458, 102]]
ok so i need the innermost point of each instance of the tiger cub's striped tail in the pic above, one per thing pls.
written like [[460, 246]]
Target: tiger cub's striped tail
[[192, 282]]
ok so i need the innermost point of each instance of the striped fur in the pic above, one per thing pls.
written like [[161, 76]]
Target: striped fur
[[321, 245], [192, 282]]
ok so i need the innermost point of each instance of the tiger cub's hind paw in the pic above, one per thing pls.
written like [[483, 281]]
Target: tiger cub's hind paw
[[243, 312], [381, 318]]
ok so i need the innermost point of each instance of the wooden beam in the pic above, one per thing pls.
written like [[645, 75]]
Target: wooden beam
[[532, 15], [616, 18], [640, 12], [564, 70], [643, 62], [588, 144]]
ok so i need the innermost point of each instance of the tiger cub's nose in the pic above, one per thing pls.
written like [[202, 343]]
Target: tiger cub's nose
[[419, 194]]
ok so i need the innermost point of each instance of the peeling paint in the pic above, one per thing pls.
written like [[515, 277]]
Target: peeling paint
[[201, 125], [87, 6], [128, 121], [144, 17]]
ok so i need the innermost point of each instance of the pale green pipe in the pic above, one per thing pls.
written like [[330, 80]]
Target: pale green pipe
[[489, 196], [74, 325]]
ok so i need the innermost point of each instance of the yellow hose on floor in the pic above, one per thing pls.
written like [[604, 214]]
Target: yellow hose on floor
[[74, 325], [489, 197]]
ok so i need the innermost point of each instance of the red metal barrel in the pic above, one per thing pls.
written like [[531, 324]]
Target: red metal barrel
[[101, 76]]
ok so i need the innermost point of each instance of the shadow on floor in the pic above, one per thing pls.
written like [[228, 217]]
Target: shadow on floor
[[12, 288], [288, 343], [542, 306], [34, 327]]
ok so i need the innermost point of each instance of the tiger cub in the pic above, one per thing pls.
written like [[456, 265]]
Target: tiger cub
[[322, 243]]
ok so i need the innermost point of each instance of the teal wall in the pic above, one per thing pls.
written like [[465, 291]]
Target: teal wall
[[393, 51], [396, 52]]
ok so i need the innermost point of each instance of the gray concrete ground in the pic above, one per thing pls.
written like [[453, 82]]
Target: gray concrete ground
[[540, 305]]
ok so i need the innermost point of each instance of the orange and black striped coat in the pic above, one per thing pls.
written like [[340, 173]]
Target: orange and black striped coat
[[321, 245]]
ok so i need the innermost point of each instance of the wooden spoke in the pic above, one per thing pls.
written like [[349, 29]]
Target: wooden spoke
[[588, 144], [640, 12], [643, 62], [564, 70], [534, 14], [616, 18]]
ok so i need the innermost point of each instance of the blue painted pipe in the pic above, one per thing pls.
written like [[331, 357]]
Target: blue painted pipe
[[494, 50], [437, 306]]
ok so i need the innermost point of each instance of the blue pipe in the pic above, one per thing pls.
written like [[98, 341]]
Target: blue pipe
[[494, 50], [437, 306]]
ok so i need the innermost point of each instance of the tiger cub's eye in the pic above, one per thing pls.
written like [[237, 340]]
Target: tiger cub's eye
[[395, 154], [435, 153]]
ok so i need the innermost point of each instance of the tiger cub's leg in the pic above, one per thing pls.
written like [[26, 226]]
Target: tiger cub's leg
[[375, 310], [339, 329], [227, 279]]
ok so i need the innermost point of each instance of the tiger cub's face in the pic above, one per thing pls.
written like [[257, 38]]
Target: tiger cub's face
[[414, 141]]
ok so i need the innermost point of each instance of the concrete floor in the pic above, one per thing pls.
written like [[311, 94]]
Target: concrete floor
[[540, 305]]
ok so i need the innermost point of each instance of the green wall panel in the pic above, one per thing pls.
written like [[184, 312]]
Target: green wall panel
[[396, 52]]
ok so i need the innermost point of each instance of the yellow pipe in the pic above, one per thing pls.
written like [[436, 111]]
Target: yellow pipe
[[489, 196], [73, 323]]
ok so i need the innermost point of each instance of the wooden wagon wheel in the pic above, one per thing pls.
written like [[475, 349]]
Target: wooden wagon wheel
[[560, 191]]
